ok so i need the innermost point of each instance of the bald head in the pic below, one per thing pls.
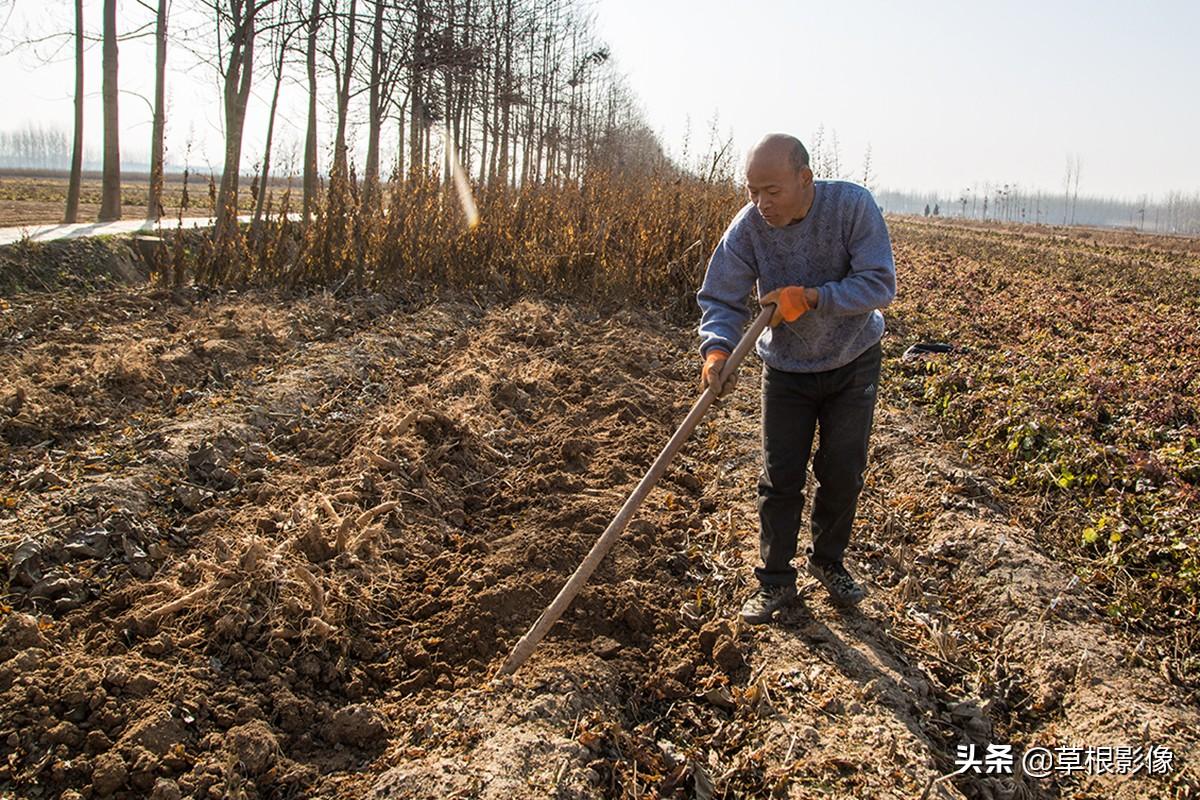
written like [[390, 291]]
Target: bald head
[[778, 148], [778, 179]]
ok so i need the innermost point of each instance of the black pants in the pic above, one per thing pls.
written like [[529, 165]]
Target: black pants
[[842, 403]]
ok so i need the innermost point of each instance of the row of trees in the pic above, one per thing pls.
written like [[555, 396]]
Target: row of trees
[[35, 146], [520, 90], [1174, 213], [40, 147]]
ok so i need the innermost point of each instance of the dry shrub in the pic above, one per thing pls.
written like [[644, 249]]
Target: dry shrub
[[605, 238]]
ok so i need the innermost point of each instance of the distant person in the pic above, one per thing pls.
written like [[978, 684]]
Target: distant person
[[820, 252], [936, 209], [927, 209]]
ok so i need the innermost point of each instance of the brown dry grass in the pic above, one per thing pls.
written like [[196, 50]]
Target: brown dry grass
[[606, 238]]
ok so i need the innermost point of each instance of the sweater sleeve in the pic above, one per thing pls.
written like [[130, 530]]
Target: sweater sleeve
[[871, 283], [722, 297]]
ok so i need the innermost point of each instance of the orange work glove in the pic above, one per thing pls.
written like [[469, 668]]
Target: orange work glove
[[713, 373], [790, 303]]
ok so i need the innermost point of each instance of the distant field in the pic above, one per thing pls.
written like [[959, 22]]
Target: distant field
[[1072, 380], [28, 198]]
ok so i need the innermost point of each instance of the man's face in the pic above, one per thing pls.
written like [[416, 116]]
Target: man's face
[[777, 189]]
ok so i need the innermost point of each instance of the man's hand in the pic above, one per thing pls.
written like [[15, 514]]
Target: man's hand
[[790, 303], [713, 373]]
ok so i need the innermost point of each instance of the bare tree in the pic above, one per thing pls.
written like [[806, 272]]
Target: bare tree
[[343, 68], [76, 181], [816, 152], [282, 31], [6, 10], [520, 88], [1067, 190], [110, 192], [389, 53], [236, 27], [506, 94], [310, 138], [718, 161], [549, 78], [868, 178], [419, 114], [376, 99], [110, 40], [1075, 196], [154, 209]]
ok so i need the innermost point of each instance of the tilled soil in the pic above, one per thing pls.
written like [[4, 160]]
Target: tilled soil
[[278, 547]]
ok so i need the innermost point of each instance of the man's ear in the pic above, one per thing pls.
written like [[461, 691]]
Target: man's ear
[[806, 176]]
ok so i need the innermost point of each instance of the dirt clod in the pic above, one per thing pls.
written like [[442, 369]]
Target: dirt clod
[[166, 789], [605, 646], [158, 733], [254, 745], [728, 655], [109, 774], [18, 632], [358, 725], [711, 633]]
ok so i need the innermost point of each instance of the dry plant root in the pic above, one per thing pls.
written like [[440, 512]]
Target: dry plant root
[[179, 603], [329, 509], [406, 422], [253, 555], [365, 518], [488, 448], [249, 561], [314, 589], [320, 628], [384, 463], [356, 524]]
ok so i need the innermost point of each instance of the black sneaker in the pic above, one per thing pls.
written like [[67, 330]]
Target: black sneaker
[[766, 601], [842, 587]]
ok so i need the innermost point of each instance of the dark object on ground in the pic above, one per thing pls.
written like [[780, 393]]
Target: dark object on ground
[[927, 349]]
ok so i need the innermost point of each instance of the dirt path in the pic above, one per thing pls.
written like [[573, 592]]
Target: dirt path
[[268, 547], [58, 231]]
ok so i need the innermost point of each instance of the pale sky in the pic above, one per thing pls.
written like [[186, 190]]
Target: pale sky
[[947, 94]]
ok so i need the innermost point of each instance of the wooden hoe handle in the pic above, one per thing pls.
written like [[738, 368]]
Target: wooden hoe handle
[[542, 625]]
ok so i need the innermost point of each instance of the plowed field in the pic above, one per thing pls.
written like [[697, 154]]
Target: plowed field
[[264, 546]]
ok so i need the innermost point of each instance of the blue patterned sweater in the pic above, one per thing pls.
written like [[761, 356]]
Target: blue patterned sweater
[[841, 248]]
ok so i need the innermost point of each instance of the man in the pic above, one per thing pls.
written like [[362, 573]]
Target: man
[[819, 252]]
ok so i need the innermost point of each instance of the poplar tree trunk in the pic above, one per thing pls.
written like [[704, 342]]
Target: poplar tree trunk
[[416, 127], [154, 203], [310, 139], [504, 98], [236, 95], [343, 96], [375, 103], [260, 201], [72, 214], [110, 190]]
